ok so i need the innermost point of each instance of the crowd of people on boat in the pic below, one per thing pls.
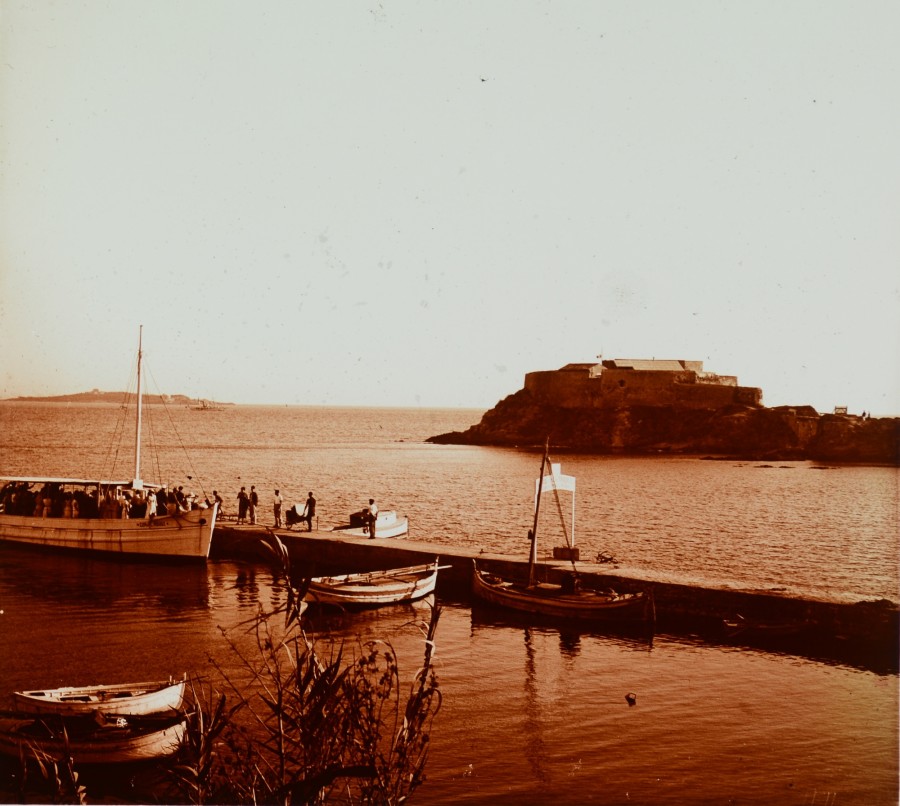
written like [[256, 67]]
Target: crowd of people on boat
[[54, 500]]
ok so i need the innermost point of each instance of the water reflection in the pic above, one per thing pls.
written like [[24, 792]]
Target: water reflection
[[334, 620], [93, 584], [819, 646], [627, 634], [533, 718]]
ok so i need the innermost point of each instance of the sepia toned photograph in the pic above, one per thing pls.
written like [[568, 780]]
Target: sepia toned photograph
[[449, 403]]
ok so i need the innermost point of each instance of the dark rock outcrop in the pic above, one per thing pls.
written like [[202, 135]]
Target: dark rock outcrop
[[750, 432]]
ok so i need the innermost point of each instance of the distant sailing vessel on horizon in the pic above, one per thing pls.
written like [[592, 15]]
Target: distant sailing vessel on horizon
[[207, 405], [111, 516]]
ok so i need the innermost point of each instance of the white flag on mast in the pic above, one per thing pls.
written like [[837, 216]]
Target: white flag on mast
[[555, 481]]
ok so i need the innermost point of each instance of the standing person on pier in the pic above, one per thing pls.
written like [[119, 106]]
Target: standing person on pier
[[371, 517], [276, 507], [309, 511], [254, 504], [243, 503]]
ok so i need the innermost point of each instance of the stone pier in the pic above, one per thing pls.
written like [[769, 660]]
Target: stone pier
[[861, 633]]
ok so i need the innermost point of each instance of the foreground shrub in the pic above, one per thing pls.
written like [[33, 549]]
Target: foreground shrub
[[297, 727]]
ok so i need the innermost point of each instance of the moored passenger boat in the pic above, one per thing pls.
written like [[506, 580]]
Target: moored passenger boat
[[180, 535], [113, 516]]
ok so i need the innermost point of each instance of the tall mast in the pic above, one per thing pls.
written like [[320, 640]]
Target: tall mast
[[532, 557], [137, 433]]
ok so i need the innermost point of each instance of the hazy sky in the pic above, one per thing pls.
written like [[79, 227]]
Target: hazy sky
[[416, 203]]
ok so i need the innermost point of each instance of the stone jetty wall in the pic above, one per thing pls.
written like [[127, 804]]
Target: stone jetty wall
[[864, 632]]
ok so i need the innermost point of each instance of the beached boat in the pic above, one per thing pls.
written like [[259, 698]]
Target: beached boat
[[164, 696], [91, 739], [568, 600], [104, 515], [387, 524], [375, 587]]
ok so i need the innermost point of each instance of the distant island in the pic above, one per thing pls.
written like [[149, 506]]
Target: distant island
[[118, 398], [652, 407]]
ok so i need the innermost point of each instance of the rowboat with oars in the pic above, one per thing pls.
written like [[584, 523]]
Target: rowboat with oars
[[91, 739], [375, 588], [164, 696], [569, 599]]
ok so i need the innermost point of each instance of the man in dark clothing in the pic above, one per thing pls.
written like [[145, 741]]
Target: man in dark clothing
[[254, 503], [243, 503], [309, 511]]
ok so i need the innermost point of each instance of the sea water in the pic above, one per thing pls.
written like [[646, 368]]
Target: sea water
[[530, 714]]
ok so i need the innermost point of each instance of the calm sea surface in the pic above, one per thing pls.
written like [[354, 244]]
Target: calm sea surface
[[530, 714]]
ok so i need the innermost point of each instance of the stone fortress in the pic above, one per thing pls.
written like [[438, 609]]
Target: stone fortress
[[621, 382]]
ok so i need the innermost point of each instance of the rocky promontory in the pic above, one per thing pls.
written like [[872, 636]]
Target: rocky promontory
[[740, 431]]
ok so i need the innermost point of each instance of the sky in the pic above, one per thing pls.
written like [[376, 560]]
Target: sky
[[416, 203]]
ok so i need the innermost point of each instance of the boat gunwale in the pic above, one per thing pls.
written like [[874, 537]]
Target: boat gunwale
[[396, 585], [553, 602], [130, 744], [149, 698]]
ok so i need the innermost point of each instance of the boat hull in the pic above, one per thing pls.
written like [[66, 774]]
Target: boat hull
[[185, 535], [387, 524], [139, 739], [375, 588], [743, 628], [130, 698], [552, 601]]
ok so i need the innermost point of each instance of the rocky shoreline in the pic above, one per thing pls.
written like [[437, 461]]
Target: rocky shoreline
[[744, 432]]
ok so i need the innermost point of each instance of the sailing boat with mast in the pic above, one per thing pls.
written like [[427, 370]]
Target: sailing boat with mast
[[104, 516], [568, 600]]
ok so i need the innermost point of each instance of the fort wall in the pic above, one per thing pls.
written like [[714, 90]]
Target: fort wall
[[586, 386]]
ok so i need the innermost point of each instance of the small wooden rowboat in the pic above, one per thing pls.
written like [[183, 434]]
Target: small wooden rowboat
[[387, 524], [91, 739], [375, 587], [561, 601], [124, 698], [740, 627]]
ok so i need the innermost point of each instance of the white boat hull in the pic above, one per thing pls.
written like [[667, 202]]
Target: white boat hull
[[185, 535], [126, 698], [387, 524], [375, 588], [139, 739]]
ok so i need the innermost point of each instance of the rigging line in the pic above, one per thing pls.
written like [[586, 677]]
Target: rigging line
[[562, 518], [115, 444], [153, 445], [178, 437]]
